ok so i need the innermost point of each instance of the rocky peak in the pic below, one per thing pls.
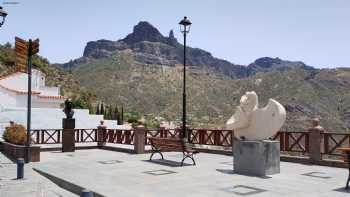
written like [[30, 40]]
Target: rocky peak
[[267, 62], [171, 39], [102, 48], [144, 31]]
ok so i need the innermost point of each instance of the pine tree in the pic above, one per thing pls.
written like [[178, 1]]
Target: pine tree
[[116, 113], [102, 109], [98, 109], [122, 116], [90, 108], [110, 113]]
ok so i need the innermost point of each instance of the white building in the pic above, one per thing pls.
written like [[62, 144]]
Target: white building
[[13, 91], [46, 104]]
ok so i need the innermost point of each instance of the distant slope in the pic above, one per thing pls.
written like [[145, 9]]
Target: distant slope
[[141, 73], [212, 96]]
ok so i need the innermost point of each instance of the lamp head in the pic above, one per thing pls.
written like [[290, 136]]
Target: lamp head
[[3, 15], [185, 25]]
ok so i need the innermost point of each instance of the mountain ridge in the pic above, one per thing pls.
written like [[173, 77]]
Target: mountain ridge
[[143, 72], [151, 47]]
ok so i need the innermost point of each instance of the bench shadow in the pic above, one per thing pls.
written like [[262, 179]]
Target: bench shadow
[[165, 162], [230, 171], [342, 189]]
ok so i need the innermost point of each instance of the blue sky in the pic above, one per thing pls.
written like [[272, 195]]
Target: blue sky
[[314, 31]]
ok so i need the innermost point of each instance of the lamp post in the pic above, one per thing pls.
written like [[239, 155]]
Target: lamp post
[[3, 15], [185, 25]]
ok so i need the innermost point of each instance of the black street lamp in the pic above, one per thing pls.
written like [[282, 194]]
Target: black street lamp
[[185, 26], [3, 15]]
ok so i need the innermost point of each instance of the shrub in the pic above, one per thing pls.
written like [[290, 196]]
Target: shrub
[[15, 134]]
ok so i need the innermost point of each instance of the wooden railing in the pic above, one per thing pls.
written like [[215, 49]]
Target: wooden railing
[[46, 136], [117, 136], [210, 137], [161, 132], [195, 136], [85, 135], [289, 141], [293, 141], [332, 141], [54, 136]]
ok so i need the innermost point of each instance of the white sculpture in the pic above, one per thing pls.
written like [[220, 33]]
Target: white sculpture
[[253, 123]]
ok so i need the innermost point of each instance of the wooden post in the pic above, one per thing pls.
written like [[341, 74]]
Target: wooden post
[[139, 139]]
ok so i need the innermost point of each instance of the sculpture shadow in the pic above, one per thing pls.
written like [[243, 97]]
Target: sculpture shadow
[[230, 171], [165, 162]]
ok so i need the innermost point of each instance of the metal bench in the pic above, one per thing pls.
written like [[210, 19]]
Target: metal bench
[[160, 145]]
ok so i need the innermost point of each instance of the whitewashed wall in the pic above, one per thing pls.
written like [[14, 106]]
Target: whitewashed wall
[[48, 118], [7, 98]]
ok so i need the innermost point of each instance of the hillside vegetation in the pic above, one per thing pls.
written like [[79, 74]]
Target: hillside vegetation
[[156, 90]]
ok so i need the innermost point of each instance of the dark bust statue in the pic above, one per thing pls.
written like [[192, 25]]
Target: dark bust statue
[[68, 109]]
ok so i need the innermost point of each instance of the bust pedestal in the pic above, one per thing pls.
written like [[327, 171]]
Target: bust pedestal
[[68, 137], [256, 158]]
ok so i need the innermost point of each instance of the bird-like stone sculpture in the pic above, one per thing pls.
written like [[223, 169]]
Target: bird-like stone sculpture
[[253, 123]]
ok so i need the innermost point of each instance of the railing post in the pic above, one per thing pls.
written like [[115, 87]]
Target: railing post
[[315, 141], [217, 138], [101, 132], [162, 132], [139, 139]]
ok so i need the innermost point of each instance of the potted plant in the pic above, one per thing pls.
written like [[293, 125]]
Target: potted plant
[[15, 137]]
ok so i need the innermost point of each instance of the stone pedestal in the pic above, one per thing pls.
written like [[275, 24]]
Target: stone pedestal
[[315, 140], [68, 135], [101, 132], [139, 139], [256, 158]]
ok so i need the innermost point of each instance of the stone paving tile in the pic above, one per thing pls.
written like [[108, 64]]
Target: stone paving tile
[[209, 178], [33, 184]]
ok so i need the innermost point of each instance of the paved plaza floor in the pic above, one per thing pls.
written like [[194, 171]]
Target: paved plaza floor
[[116, 174], [33, 184]]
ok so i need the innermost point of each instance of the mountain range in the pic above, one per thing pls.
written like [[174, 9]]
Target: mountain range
[[143, 72]]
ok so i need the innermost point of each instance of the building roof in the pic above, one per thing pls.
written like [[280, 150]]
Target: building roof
[[17, 83]]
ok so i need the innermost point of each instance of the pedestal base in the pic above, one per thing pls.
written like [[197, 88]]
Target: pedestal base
[[68, 135], [256, 158]]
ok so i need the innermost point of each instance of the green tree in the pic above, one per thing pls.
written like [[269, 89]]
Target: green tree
[[102, 110], [98, 109], [117, 114], [122, 116]]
